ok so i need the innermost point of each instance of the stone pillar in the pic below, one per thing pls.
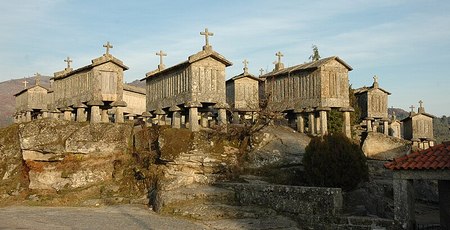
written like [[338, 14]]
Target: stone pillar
[[131, 116], [204, 120], [193, 115], [404, 203], [160, 114], [347, 123], [222, 116], [44, 113], [385, 126], [323, 119], [104, 115], [145, 118], [67, 113], [310, 121], [300, 123], [95, 110], [369, 124], [317, 123], [118, 115], [444, 203], [55, 113], [236, 119], [81, 112], [176, 116], [28, 115]]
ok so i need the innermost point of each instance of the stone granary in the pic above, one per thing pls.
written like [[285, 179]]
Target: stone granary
[[309, 91], [395, 127], [194, 86], [243, 94], [418, 128], [429, 164], [90, 91], [373, 102], [31, 102]]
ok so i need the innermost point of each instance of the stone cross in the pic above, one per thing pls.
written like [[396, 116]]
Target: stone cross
[[279, 55], [107, 46], [161, 54], [261, 71], [394, 117], [25, 83], [68, 60], [421, 103], [37, 78], [412, 108], [206, 34], [245, 62], [375, 78]]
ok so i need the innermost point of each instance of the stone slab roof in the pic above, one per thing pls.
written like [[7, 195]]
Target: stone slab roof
[[191, 59], [436, 157], [242, 75], [28, 88], [367, 89], [96, 62], [133, 89], [307, 66]]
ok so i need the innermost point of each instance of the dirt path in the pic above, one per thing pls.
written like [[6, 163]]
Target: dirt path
[[107, 217]]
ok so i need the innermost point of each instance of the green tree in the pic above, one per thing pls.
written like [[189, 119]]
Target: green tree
[[315, 56], [334, 161]]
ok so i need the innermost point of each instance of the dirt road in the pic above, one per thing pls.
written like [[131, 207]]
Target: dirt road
[[108, 217]]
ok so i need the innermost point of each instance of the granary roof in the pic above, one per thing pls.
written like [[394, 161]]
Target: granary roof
[[411, 115], [367, 89], [28, 88], [436, 157], [134, 89], [307, 66], [191, 59], [96, 62], [242, 75]]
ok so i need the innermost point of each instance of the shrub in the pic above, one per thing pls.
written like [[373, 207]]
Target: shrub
[[334, 161]]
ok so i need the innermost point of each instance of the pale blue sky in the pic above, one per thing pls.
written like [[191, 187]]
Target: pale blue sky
[[406, 43]]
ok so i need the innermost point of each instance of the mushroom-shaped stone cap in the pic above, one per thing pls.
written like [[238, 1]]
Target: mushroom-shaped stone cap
[[130, 115], [192, 104], [309, 110], [174, 108], [95, 103], [146, 114], [66, 108], [221, 105], [119, 104], [347, 109], [159, 111], [44, 110], [55, 110], [79, 105], [323, 109]]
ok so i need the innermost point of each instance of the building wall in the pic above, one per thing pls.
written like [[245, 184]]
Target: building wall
[[230, 92], [362, 102], [172, 88], [377, 105], [21, 101], [246, 94], [422, 126], [77, 87], [334, 85], [33, 98], [135, 102], [208, 81], [109, 81]]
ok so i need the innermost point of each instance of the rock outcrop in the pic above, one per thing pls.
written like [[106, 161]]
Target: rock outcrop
[[382, 147]]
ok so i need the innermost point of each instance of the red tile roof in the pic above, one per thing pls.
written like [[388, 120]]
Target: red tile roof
[[436, 157]]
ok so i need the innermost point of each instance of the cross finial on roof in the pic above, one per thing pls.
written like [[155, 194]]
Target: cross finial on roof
[[375, 78], [37, 77], [394, 116], [206, 34], [261, 71], [245, 62], [420, 103], [412, 108], [161, 64], [279, 55], [25, 83], [68, 60], [107, 46]]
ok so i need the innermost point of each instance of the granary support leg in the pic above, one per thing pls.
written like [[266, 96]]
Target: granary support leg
[[176, 120], [311, 121], [317, 123], [385, 127], [81, 116], [369, 124], [119, 115], [204, 120], [95, 114], [404, 203], [323, 120], [28, 116], [300, 123], [236, 119], [44, 113], [193, 119], [347, 123]]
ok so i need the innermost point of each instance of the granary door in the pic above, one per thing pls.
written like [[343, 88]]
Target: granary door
[[108, 85]]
